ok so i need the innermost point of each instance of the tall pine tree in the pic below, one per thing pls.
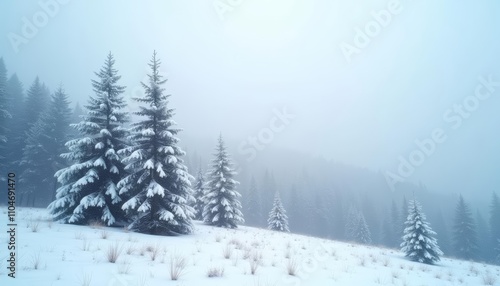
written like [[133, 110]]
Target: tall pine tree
[[159, 183], [464, 235], [278, 220], [44, 144], [15, 96], [419, 243], [89, 187], [4, 116], [199, 192], [253, 211], [222, 205]]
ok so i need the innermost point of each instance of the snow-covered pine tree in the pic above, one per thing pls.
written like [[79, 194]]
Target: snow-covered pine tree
[[4, 115], [253, 210], [464, 236], [159, 183], [199, 192], [351, 223], [44, 144], [362, 232], [278, 220], [419, 243], [89, 187], [222, 205]]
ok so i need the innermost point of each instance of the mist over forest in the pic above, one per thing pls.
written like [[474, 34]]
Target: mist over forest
[[311, 103]]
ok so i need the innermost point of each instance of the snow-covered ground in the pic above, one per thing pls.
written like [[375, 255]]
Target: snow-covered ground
[[55, 254]]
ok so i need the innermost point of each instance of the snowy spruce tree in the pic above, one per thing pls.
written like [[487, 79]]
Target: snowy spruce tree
[[199, 192], [351, 223], [356, 228], [158, 185], [89, 189], [419, 243], [362, 233], [464, 236], [253, 211], [278, 220], [222, 205], [44, 144], [15, 106]]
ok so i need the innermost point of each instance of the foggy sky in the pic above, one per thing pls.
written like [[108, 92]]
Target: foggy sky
[[231, 75]]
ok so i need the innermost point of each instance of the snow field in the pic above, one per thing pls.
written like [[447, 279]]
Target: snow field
[[56, 254]]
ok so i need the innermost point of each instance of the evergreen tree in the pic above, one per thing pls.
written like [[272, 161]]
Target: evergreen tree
[[267, 191], [495, 224], [352, 220], [76, 116], [159, 183], [483, 234], [36, 101], [362, 233], [419, 243], [403, 216], [44, 143], [222, 207], [464, 236], [15, 96], [199, 192], [443, 234], [278, 220], [253, 214], [89, 187], [4, 116], [391, 229]]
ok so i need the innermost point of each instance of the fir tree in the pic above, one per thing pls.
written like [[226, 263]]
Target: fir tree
[[44, 143], [464, 236], [419, 243], [362, 233], [222, 207], [278, 220], [495, 224], [483, 234], [199, 192], [352, 220], [253, 214], [4, 116], [15, 100], [36, 101], [391, 229], [159, 183], [89, 187]]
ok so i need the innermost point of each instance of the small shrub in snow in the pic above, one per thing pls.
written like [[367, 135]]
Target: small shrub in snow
[[86, 279], [113, 252], [35, 261], [104, 234], [34, 226], [227, 251], [177, 266], [153, 251], [291, 267], [215, 272], [85, 245]]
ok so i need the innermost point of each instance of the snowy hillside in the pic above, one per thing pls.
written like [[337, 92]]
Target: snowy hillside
[[57, 254]]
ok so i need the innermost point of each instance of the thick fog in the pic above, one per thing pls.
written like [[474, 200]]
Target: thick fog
[[338, 80]]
